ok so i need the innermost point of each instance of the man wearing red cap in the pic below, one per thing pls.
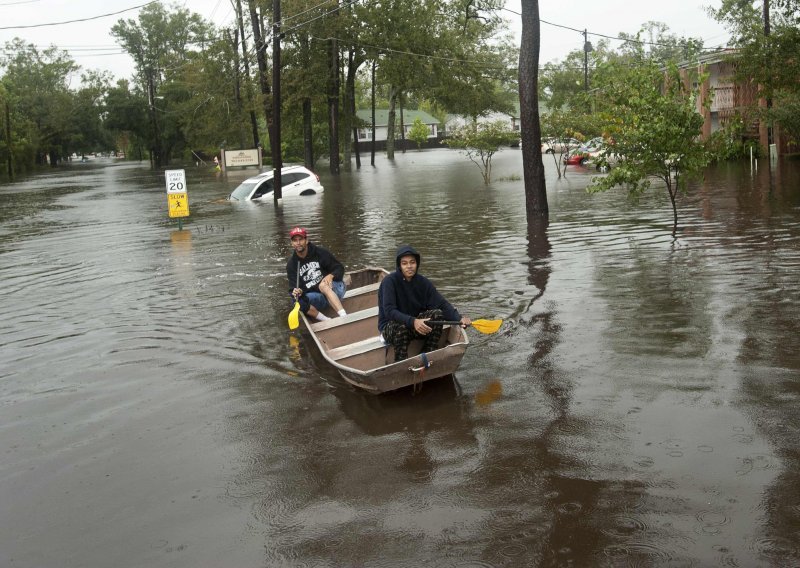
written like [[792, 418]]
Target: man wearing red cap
[[315, 276]]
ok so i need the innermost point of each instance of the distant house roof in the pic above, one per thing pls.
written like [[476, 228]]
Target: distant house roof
[[382, 116], [710, 57]]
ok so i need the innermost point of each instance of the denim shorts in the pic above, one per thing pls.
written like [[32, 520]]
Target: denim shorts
[[318, 299]]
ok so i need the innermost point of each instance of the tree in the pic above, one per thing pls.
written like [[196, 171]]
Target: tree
[[418, 133], [532, 166], [37, 86], [126, 117], [481, 142], [655, 42], [159, 43], [654, 126]]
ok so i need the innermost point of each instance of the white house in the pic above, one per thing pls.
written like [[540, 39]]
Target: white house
[[455, 121]]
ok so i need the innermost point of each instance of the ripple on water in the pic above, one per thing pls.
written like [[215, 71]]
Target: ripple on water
[[624, 526], [637, 554], [756, 462], [710, 522], [674, 447]]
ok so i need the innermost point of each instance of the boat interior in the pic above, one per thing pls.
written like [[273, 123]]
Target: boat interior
[[353, 340]]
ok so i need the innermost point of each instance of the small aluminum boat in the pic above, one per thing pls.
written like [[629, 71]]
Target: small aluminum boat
[[353, 345]]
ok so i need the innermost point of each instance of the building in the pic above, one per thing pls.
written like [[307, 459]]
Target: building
[[455, 121], [731, 98]]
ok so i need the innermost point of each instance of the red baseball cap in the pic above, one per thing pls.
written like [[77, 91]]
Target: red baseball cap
[[298, 232]]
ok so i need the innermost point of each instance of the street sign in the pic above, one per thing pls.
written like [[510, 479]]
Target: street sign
[[176, 181], [178, 204]]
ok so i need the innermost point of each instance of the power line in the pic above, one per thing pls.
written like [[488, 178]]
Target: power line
[[78, 20], [617, 38]]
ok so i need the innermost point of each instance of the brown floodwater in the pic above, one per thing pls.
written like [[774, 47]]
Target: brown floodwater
[[638, 407]]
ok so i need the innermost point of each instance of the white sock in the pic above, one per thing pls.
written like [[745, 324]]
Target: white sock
[[342, 312], [322, 317]]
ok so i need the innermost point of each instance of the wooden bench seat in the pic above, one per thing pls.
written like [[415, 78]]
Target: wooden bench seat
[[362, 290], [349, 318], [356, 348]]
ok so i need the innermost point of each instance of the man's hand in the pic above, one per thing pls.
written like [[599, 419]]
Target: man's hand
[[327, 280], [297, 292], [466, 322], [421, 327]]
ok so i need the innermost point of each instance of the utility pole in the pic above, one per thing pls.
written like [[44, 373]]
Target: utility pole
[[276, 99], [587, 47]]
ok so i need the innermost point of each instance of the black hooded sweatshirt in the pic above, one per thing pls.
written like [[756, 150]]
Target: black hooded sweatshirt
[[402, 301]]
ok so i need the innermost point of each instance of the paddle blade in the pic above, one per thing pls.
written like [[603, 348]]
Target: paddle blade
[[487, 326], [294, 316]]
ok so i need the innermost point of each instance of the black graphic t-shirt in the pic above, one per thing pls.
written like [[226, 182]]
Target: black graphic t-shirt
[[318, 263]]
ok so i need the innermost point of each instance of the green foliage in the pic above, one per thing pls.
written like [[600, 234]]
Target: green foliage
[[652, 120], [418, 133], [48, 120], [481, 142], [728, 143], [786, 112]]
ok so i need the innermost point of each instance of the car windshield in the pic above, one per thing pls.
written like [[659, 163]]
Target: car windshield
[[243, 191]]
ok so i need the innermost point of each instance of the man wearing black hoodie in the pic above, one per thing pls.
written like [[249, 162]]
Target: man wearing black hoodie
[[406, 300]]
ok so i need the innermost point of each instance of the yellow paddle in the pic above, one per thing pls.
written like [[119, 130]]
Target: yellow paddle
[[294, 315], [484, 326]]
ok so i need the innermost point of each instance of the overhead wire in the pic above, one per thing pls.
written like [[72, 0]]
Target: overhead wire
[[87, 19], [348, 3]]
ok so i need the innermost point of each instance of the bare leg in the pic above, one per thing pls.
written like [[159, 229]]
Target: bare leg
[[312, 312], [331, 296]]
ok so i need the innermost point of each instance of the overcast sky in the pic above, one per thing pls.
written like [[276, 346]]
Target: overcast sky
[[92, 46]]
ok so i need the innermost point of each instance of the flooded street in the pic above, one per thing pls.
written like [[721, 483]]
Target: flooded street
[[639, 406]]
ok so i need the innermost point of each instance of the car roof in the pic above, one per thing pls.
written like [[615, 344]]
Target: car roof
[[269, 173]]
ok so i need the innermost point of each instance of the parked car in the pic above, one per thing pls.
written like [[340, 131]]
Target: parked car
[[295, 181], [553, 145], [585, 153]]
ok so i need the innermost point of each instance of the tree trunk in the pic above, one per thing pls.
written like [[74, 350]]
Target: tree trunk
[[333, 104], [233, 40], [10, 164], [530, 129], [246, 64], [349, 119], [261, 58], [308, 135], [372, 147], [402, 127], [390, 123], [155, 147]]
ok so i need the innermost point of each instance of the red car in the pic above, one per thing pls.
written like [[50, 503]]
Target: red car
[[584, 154]]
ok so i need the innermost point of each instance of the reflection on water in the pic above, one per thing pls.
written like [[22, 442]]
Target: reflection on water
[[638, 406]]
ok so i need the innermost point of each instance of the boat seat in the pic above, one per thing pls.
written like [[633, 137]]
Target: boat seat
[[349, 318], [356, 348], [362, 290]]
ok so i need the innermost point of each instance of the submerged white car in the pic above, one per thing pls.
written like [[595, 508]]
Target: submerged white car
[[295, 181]]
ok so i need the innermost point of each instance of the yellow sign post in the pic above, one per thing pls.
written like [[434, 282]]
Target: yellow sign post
[[177, 197]]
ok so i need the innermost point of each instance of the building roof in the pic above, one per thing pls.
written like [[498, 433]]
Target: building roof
[[382, 116]]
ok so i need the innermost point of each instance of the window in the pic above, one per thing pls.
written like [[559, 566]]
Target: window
[[263, 189]]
